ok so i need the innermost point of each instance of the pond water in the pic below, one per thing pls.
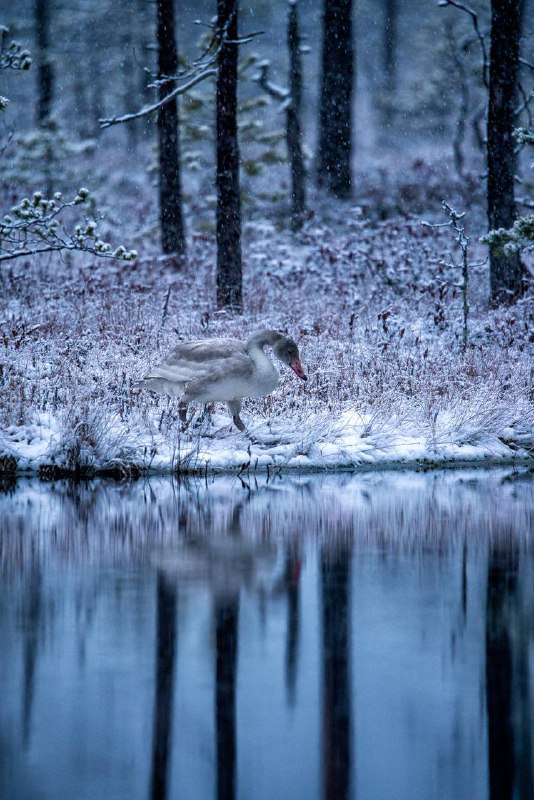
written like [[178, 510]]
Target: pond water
[[360, 636]]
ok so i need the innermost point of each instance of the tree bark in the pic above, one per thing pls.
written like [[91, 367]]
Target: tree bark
[[229, 269], [170, 188], [294, 133], [335, 115], [505, 269], [45, 72]]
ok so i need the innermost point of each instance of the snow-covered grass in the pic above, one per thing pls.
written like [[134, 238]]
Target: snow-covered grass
[[366, 299]]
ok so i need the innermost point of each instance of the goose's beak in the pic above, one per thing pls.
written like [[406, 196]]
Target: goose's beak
[[296, 366]]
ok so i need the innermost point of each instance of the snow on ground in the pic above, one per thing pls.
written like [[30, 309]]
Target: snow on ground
[[318, 442], [367, 299]]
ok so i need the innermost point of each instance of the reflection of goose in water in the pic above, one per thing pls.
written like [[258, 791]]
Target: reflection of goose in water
[[224, 561], [224, 370]]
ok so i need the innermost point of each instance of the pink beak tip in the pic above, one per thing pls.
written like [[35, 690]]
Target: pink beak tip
[[296, 366]]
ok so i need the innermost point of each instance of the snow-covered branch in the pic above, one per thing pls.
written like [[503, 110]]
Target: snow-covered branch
[[278, 92], [456, 222], [202, 68], [12, 54], [147, 110], [518, 238], [33, 227]]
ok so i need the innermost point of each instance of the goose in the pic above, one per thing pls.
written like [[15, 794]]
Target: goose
[[223, 370]]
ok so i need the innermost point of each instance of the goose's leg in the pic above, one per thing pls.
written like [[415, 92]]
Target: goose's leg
[[234, 407], [182, 411], [208, 410]]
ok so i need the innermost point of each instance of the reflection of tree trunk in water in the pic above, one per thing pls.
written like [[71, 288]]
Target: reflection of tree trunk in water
[[226, 629], [292, 578], [32, 616], [502, 585], [464, 582], [163, 701], [335, 574], [525, 709]]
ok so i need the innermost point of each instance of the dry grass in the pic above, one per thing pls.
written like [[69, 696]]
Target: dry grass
[[376, 332]]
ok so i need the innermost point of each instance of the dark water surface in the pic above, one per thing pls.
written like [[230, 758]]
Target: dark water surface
[[363, 636]]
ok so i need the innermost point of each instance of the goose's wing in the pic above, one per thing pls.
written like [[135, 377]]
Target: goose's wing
[[203, 351], [203, 362]]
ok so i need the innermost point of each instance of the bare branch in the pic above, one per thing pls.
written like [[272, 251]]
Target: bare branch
[[271, 88], [463, 109], [526, 100], [147, 110], [526, 202], [480, 36], [202, 68], [462, 239]]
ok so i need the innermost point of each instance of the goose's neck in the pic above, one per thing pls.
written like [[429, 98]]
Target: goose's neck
[[259, 339], [265, 373]]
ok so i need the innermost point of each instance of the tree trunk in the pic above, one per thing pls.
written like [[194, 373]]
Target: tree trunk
[[335, 115], [390, 44], [229, 270], [294, 134], [45, 72], [505, 269], [389, 53], [170, 189]]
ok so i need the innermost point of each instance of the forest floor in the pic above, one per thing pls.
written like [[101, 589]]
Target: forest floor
[[362, 289]]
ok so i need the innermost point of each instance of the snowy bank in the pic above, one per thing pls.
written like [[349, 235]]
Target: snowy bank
[[349, 441], [391, 381]]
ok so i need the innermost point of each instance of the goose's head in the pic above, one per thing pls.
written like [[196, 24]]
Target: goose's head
[[287, 352]]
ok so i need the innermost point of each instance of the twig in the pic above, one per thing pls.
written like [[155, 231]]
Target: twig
[[144, 112], [455, 222], [34, 229], [480, 36]]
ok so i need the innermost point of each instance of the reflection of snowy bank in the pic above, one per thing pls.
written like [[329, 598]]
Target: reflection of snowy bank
[[448, 436], [126, 605], [223, 529]]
